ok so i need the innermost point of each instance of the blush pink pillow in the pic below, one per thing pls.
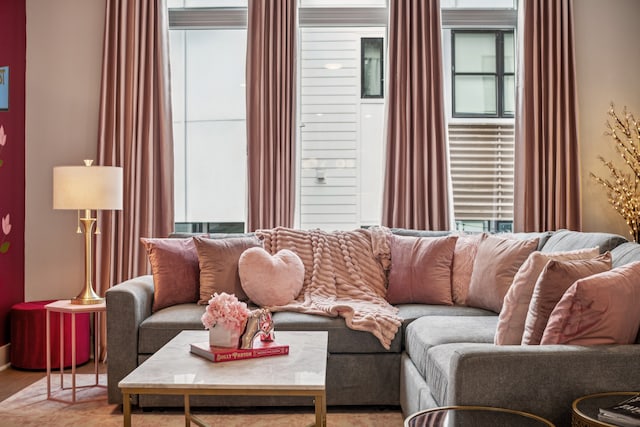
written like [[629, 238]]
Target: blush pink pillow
[[421, 270], [497, 262], [464, 255], [219, 265], [600, 309], [555, 279], [271, 280], [174, 265], [516, 302]]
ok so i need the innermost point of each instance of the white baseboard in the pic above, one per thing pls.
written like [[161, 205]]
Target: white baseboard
[[4, 356]]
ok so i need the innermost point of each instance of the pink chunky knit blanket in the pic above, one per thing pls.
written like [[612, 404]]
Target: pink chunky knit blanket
[[344, 276]]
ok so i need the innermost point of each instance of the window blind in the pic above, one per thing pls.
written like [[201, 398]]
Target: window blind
[[482, 157]]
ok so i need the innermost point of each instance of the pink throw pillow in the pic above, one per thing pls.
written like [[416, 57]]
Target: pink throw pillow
[[497, 262], [219, 265], [174, 265], [464, 255], [271, 280], [600, 309], [516, 302], [555, 279], [421, 270]]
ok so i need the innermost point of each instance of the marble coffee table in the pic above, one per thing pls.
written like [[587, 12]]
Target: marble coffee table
[[175, 370]]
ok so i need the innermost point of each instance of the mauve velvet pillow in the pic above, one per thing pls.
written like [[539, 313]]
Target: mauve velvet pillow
[[464, 255], [555, 279], [497, 262], [421, 270], [516, 302], [600, 309], [219, 265], [174, 265]]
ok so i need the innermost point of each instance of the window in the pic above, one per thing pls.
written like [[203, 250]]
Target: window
[[371, 67], [479, 59], [483, 73], [207, 47], [341, 115]]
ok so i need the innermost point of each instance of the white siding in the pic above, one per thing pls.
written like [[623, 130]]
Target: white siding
[[331, 133]]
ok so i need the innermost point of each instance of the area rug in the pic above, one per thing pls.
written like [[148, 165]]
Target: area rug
[[30, 407]]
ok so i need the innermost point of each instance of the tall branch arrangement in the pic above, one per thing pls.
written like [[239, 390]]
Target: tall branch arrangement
[[622, 185]]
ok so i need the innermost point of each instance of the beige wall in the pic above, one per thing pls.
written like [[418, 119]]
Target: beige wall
[[63, 81], [608, 60], [64, 57]]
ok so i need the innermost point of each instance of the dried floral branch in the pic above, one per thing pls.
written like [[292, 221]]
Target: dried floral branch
[[622, 187]]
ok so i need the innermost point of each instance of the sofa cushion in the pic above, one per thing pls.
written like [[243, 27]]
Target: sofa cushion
[[625, 253], [599, 309], [421, 270], [566, 240], [341, 338], [158, 329], [464, 256], [411, 312], [176, 276], [430, 331], [542, 236], [218, 259], [418, 233], [556, 277], [497, 262], [516, 302]]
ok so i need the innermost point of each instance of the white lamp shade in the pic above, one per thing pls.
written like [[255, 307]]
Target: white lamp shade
[[87, 187]]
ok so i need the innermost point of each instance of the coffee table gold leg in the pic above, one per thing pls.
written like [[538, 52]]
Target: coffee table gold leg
[[126, 409], [187, 411], [321, 410]]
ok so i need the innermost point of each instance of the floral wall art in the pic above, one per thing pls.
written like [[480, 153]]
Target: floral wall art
[[12, 163]]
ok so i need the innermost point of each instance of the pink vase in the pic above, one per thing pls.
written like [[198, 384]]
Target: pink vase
[[222, 335]]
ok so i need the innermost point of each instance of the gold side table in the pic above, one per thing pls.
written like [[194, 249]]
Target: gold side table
[[65, 306], [584, 410]]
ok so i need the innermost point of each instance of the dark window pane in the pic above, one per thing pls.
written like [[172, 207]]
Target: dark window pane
[[372, 68]]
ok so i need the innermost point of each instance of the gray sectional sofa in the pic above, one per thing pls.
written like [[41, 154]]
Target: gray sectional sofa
[[442, 355]]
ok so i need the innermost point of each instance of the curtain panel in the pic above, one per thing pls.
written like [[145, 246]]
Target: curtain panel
[[416, 183], [135, 133], [547, 158], [271, 132]]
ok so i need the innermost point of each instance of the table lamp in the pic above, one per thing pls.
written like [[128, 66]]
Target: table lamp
[[87, 188]]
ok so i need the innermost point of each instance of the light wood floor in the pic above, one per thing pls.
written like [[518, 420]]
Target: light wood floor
[[13, 380]]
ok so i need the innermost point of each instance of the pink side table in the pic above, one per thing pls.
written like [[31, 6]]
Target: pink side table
[[65, 306]]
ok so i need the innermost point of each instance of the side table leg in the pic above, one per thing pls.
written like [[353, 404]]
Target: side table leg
[[48, 339], [187, 411], [61, 342], [73, 357]]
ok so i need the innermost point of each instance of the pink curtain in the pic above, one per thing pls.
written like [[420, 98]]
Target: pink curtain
[[547, 167], [416, 190], [271, 112], [135, 133]]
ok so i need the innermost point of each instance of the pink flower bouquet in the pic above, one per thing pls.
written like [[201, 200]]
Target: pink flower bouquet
[[226, 318]]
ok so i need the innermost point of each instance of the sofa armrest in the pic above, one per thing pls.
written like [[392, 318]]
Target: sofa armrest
[[543, 380], [128, 304]]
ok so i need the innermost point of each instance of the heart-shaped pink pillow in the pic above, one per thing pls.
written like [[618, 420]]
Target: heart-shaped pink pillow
[[270, 280]]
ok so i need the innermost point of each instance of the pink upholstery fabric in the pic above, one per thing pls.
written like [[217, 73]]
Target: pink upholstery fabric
[[270, 280], [554, 280], [174, 265], [497, 262], [464, 255], [516, 302], [600, 309], [421, 270], [218, 260]]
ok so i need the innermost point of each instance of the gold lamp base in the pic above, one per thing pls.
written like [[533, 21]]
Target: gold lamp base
[[88, 295]]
